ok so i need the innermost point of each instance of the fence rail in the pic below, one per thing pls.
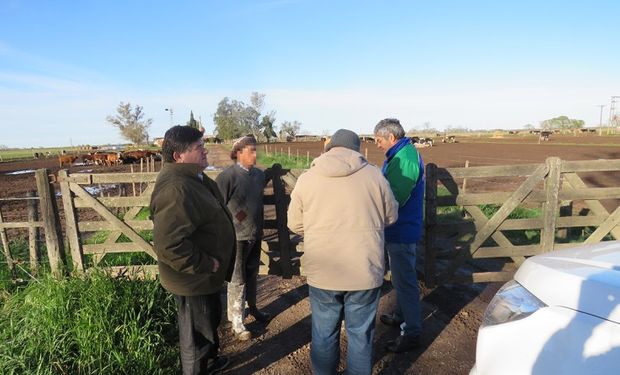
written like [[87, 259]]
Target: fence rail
[[552, 186]]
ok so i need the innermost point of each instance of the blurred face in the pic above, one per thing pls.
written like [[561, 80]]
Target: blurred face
[[195, 154], [247, 156], [385, 144]]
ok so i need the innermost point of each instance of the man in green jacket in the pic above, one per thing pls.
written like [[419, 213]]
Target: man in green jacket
[[194, 239]]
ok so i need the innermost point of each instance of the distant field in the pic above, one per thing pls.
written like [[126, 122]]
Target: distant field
[[28, 153]]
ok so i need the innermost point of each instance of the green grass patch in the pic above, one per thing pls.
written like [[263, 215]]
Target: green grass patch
[[88, 325], [293, 162]]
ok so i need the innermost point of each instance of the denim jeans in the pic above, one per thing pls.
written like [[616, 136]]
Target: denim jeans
[[405, 281], [329, 308]]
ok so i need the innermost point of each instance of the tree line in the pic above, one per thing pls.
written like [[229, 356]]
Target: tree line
[[232, 119]]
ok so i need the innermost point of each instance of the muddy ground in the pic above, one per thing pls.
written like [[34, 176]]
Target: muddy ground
[[451, 313]]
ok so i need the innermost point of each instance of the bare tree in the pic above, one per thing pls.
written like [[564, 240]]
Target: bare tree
[[130, 123]]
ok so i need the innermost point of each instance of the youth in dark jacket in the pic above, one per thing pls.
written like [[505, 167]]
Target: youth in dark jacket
[[194, 239], [242, 186]]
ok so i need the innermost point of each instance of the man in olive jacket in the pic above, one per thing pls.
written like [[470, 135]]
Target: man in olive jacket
[[194, 239]]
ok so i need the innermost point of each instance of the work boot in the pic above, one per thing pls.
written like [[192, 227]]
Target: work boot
[[391, 320], [404, 343], [243, 334], [259, 315]]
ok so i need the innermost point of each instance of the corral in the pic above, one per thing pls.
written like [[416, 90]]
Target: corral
[[451, 312]]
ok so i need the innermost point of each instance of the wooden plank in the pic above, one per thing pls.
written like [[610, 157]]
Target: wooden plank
[[33, 235], [480, 220], [49, 215], [71, 228], [21, 224], [5, 246], [289, 180], [612, 222], [102, 248], [507, 251], [111, 178], [551, 205], [430, 227], [590, 193], [516, 198], [474, 199], [94, 226], [139, 201], [601, 165], [109, 216], [487, 171], [595, 206]]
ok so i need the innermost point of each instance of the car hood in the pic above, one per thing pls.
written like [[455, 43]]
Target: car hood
[[584, 278]]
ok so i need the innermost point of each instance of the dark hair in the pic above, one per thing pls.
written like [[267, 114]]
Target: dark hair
[[178, 139], [389, 126], [241, 143]]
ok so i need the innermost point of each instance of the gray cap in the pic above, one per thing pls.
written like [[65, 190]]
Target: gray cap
[[344, 138]]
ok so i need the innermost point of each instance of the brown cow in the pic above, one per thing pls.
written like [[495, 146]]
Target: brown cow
[[66, 159], [113, 158], [99, 158]]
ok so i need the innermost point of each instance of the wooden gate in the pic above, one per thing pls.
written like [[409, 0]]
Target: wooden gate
[[458, 249], [118, 199]]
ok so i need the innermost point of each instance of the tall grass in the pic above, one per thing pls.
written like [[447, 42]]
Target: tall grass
[[90, 325]]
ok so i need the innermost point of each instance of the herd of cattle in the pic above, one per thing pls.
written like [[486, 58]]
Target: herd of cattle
[[108, 158]]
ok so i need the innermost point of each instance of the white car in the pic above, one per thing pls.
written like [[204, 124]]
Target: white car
[[560, 315]]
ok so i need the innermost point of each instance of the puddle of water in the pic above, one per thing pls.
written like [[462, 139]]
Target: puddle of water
[[85, 171], [23, 171], [212, 168], [96, 190]]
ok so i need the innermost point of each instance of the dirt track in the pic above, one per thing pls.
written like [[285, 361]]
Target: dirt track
[[451, 313]]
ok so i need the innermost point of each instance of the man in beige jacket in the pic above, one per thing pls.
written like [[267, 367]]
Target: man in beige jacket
[[341, 206]]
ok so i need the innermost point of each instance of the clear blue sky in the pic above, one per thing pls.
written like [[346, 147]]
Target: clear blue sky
[[65, 65]]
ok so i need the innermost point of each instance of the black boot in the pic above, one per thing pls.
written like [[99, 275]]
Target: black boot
[[258, 315]]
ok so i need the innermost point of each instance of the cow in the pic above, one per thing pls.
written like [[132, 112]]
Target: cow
[[133, 156], [544, 135], [421, 142], [113, 158], [99, 158], [66, 159]]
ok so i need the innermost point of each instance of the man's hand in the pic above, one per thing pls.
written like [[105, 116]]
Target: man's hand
[[216, 264]]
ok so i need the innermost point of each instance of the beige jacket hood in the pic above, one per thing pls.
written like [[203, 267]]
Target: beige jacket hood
[[341, 206]]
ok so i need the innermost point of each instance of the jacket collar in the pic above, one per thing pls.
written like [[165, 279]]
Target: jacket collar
[[183, 169], [404, 141]]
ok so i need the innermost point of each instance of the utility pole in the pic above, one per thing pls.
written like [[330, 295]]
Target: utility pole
[[600, 121], [171, 110], [612, 112]]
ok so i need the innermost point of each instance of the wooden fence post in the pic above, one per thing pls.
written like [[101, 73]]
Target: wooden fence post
[[430, 219], [71, 227], [50, 223], [33, 234], [284, 240], [550, 207], [5, 246]]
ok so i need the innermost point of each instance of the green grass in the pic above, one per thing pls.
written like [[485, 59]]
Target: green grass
[[122, 259], [28, 153], [293, 162], [88, 325]]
